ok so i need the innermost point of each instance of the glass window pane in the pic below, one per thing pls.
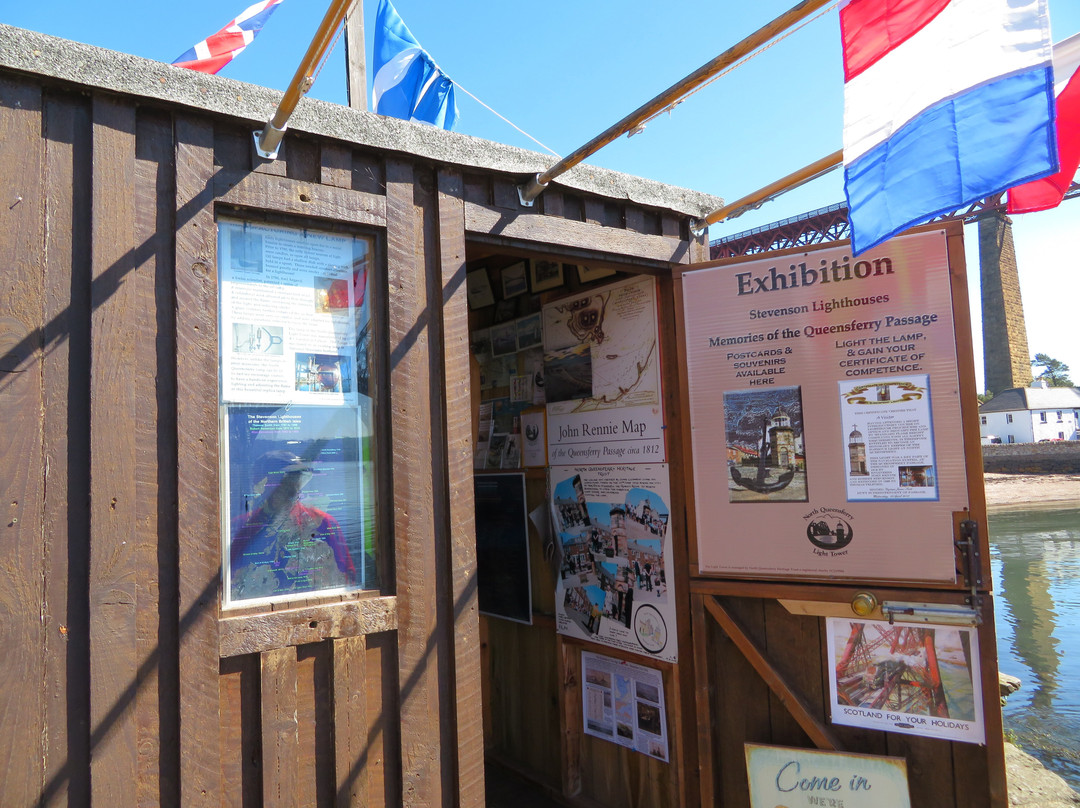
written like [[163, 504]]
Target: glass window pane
[[297, 460]]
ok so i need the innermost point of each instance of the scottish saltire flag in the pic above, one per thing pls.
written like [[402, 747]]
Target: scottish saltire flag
[[1049, 191], [217, 50], [945, 102], [407, 83]]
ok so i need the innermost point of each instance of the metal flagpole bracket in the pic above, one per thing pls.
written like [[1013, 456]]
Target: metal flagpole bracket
[[528, 192], [269, 137], [268, 141]]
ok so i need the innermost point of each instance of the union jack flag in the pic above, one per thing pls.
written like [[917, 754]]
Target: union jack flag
[[217, 50]]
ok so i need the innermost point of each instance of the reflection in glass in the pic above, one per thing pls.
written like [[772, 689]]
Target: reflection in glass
[[297, 458]]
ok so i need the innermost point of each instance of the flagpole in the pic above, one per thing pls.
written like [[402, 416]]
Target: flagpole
[[355, 63], [269, 137], [774, 189], [528, 192]]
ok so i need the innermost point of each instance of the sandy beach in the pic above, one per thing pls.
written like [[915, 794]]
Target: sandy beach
[[1058, 490]]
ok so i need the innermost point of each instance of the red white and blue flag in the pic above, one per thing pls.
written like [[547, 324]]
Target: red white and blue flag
[[945, 102], [217, 50], [1049, 191]]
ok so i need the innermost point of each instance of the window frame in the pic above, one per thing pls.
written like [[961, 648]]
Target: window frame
[[382, 606]]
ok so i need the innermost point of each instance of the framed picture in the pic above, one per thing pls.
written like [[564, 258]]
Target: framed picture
[[513, 280], [505, 310], [478, 289], [586, 274], [530, 333], [544, 275], [503, 338]]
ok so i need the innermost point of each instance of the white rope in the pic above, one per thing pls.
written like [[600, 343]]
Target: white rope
[[668, 109], [496, 114]]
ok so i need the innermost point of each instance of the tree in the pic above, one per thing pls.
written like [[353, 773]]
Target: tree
[[1055, 372]]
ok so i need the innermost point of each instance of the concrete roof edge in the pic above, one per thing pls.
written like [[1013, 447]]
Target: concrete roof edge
[[97, 68]]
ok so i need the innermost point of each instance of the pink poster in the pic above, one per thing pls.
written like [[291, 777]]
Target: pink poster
[[825, 414]]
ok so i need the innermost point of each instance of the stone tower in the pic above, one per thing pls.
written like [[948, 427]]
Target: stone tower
[[1006, 361]]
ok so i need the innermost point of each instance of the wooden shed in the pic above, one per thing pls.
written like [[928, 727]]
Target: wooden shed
[[134, 675]]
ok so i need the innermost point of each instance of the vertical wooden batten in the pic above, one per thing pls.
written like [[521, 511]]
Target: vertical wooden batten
[[120, 372], [468, 699], [66, 384], [199, 558], [280, 731], [351, 745], [155, 433], [22, 478], [420, 640]]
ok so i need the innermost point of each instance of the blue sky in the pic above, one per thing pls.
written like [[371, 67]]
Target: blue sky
[[565, 71]]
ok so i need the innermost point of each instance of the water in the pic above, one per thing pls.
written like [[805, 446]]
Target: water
[[1035, 558]]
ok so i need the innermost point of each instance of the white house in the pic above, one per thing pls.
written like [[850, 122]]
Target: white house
[[1031, 414]]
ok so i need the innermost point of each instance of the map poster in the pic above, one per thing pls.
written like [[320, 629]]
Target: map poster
[[624, 703], [614, 585], [298, 515], [293, 307], [917, 679], [811, 778], [824, 400], [602, 376]]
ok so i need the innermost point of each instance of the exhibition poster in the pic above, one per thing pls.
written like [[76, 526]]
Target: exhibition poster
[[291, 301], [624, 703], [615, 584], [913, 678], [825, 414], [296, 418], [602, 376], [812, 778]]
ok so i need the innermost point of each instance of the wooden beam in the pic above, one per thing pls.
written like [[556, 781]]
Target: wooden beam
[[549, 233], [820, 734], [285, 195], [252, 634]]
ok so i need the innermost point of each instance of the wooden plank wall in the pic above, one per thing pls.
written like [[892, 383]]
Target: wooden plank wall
[[123, 683], [738, 706]]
